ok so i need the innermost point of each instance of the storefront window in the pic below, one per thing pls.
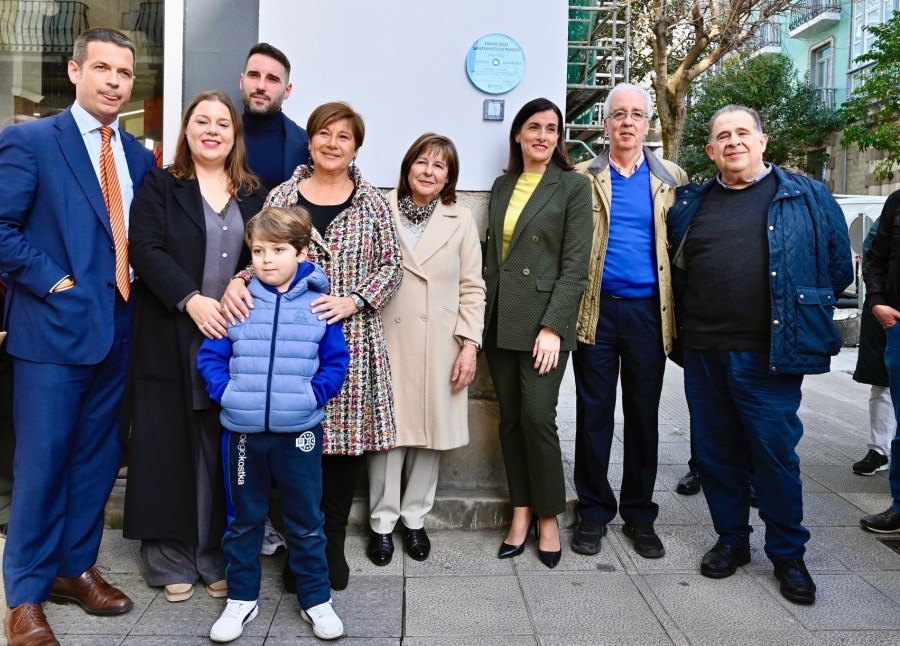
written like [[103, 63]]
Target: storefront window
[[36, 38]]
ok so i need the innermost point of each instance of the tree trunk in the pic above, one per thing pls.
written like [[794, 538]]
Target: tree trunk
[[672, 120]]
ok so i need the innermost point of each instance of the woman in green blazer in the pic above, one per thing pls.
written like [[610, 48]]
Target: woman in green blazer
[[535, 269]]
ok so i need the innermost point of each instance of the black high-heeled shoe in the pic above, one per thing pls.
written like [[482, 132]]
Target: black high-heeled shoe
[[508, 551], [550, 559]]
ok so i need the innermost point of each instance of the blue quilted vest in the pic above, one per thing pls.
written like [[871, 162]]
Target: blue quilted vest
[[275, 356]]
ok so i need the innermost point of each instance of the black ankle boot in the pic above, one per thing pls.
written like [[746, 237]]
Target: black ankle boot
[[338, 570]]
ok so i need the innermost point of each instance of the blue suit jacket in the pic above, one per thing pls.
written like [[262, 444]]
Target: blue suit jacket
[[296, 147], [53, 223]]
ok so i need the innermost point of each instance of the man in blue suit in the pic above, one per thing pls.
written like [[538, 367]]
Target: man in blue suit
[[68, 182], [275, 144]]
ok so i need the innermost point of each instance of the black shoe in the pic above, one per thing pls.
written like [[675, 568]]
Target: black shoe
[[550, 559], [381, 549], [754, 502], [508, 551], [3, 528], [338, 570], [418, 546], [796, 583], [873, 462], [689, 484], [287, 576], [646, 542], [723, 560], [587, 535], [887, 522]]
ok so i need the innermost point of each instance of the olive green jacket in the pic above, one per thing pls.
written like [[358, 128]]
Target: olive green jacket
[[665, 177], [540, 282]]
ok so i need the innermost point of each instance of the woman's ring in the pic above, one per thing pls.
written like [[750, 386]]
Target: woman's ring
[[224, 307], [204, 325]]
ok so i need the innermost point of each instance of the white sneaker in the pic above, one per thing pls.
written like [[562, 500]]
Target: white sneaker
[[325, 622], [231, 624], [273, 541]]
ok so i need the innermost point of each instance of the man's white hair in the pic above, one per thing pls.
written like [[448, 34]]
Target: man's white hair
[[625, 87]]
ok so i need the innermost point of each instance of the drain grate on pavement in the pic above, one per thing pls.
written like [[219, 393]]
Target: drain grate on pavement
[[891, 543]]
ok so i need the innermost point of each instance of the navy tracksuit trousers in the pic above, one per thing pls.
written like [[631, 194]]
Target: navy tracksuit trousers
[[294, 460], [738, 408]]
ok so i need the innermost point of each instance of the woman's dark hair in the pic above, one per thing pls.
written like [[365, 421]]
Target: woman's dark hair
[[239, 174], [439, 143], [560, 155]]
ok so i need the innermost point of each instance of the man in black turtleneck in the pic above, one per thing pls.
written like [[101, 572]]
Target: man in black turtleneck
[[275, 144]]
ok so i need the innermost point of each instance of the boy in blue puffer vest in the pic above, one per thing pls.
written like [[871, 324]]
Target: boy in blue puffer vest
[[273, 376]]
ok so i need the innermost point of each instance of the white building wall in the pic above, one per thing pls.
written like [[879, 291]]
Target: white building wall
[[401, 64]]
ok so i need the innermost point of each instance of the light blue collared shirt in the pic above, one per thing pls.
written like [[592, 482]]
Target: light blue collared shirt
[[90, 133], [758, 179]]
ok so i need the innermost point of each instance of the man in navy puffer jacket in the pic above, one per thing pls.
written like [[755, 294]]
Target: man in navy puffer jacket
[[760, 258], [273, 376]]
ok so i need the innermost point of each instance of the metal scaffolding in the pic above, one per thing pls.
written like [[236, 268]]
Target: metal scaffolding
[[599, 43]]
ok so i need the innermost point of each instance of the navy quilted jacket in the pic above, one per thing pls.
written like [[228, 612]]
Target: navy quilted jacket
[[810, 265]]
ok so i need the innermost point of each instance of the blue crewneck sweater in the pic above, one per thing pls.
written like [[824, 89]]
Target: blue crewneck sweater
[[630, 267]]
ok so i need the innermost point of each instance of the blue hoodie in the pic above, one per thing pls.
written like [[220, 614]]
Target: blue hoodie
[[277, 369]]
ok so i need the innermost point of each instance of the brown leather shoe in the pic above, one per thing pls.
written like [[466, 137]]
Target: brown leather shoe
[[26, 625], [92, 593]]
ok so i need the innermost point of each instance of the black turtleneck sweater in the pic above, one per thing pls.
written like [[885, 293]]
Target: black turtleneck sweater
[[264, 137]]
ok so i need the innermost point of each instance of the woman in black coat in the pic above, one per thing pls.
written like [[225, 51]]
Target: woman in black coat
[[186, 241]]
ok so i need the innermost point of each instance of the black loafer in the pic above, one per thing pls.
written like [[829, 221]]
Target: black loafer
[[689, 485], [723, 560], [418, 546], [646, 542], [796, 583], [381, 549], [587, 535]]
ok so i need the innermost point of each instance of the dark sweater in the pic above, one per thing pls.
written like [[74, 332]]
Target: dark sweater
[[264, 138], [726, 299], [323, 215]]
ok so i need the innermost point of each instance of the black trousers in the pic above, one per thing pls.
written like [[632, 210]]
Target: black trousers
[[628, 341], [339, 476]]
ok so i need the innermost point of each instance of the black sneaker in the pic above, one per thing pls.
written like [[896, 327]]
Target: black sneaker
[[646, 542], [587, 535], [873, 462], [887, 522], [796, 583]]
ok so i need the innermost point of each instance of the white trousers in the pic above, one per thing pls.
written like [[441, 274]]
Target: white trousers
[[882, 423], [385, 502]]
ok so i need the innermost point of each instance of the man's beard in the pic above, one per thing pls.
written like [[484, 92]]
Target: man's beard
[[273, 108]]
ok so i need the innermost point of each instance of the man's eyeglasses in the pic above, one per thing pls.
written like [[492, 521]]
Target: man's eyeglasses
[[621, 115]]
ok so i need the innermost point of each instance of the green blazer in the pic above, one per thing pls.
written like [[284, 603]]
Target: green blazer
[[545, 272]]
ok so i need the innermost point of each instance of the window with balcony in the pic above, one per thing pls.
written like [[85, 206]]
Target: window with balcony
[[36, 39]]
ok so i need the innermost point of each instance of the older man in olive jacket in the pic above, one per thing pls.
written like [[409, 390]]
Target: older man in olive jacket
[[625, 323]]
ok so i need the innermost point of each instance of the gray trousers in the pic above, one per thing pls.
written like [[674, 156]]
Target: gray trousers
[[882, 423], [386, 503], [169, 561]]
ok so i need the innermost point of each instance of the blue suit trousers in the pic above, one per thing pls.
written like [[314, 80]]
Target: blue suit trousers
[[68, 450], [892, 361], [737, 409]]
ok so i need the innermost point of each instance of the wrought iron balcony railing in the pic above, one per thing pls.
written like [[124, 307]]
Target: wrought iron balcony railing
[[41, 26], [151, 20], [812, 9]]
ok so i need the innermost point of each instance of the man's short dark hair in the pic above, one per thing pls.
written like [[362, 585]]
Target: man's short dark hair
[[733, 107], [272, 52], [99, 35]]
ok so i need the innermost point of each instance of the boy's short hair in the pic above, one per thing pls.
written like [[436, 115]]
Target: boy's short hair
[[291, 224]]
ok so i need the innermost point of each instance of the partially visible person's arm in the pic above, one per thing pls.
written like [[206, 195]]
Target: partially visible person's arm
[[878, 261], [334, 359], [212, 362]]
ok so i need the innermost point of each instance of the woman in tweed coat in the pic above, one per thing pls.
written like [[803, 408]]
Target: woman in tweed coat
[[356, 243]]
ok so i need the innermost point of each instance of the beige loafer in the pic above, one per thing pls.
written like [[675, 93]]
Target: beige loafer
[[218, 590], [176, 592]]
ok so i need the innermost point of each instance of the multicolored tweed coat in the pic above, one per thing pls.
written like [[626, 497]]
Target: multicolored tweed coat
[[360, 252]]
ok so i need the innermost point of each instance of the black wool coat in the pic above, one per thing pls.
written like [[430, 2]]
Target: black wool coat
[[167, 249]]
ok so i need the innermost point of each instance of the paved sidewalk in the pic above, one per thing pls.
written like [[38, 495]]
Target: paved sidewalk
[[463, 595]]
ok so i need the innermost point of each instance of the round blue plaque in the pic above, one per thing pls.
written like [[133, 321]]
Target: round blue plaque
[[496, 64]]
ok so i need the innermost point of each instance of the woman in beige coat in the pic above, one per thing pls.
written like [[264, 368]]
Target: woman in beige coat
[[432, 326]]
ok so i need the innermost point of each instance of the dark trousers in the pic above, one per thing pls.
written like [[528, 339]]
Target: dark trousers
[[7, 436], [528, 431], [737, 408], [340, 474], [628, 341], [67, 456], [892, 361], [251, 460]]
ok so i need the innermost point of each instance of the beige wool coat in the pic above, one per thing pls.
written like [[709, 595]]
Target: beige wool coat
[[439, 303]]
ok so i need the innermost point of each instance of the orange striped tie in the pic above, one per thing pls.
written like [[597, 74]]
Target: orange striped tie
[[112, 195]]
